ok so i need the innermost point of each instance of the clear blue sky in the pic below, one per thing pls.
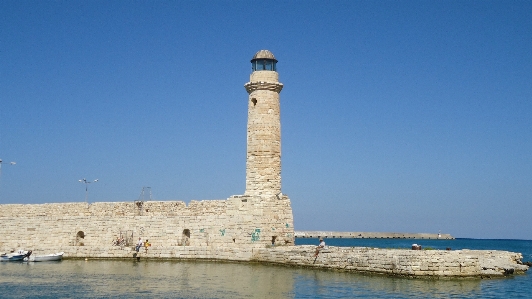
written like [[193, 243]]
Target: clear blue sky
[[397, 116]]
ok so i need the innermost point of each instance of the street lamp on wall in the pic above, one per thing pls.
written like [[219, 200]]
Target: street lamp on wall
[[10, 163], [87, 187]]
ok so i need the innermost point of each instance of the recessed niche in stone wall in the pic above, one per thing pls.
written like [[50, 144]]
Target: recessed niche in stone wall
[[80, 236], [185, 238]]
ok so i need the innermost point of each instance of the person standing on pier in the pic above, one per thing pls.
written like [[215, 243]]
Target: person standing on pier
[[139, 244], [146, 245]]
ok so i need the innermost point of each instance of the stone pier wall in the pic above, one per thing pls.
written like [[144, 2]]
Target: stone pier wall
[[240, 228], [392, 262], [239, 220], [399, 262]]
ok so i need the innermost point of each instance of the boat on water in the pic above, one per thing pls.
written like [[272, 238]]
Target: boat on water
[[13, 257], [45, 258]]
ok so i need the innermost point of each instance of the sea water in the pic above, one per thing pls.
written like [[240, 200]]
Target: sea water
[[186, 279]]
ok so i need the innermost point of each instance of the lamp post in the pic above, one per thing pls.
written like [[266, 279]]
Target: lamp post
[[87, 187], [10, 163]]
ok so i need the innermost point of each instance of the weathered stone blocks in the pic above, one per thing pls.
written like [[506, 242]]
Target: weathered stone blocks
[[430, 263]]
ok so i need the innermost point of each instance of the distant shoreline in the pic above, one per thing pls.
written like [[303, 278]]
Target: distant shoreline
[[371, 235]]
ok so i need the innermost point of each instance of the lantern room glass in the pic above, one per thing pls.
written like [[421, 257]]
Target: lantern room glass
[[263, 65]]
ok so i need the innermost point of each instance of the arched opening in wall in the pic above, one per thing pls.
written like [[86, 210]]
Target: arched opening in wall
[[185, 238], [273, 240], [254, 101], [79, 237]]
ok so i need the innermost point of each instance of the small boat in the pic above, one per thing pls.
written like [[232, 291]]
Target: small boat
[[46, 258], [13, 257]]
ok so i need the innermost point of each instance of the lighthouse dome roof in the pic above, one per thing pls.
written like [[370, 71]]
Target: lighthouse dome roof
[[264, 54]]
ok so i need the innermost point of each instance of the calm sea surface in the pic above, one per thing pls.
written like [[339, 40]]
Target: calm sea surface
[[181, 279]]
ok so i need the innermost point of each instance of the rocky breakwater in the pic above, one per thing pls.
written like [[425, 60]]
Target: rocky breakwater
[[399, 262]]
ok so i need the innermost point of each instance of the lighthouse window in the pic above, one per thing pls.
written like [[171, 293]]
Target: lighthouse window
[[258, 65], [263, 65]]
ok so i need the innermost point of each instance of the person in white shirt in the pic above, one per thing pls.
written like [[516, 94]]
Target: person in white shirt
[[320, 247], [139, 244]]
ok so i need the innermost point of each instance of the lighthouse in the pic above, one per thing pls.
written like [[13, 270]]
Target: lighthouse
[[263, 159]]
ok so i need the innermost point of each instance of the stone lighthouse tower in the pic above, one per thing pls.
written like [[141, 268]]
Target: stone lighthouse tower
[[263, 163]]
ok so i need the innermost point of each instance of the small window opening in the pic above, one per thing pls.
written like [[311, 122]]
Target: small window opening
[[254, 101], [273, 240], [185, 238], [234, 240]]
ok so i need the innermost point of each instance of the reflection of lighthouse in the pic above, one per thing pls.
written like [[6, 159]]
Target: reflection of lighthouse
[[263, 163]]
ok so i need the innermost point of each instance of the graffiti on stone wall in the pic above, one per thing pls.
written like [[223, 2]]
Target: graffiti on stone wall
[[222, 232], [255, 235]]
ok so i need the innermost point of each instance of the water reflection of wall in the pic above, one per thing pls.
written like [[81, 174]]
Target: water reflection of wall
[[169, 279]]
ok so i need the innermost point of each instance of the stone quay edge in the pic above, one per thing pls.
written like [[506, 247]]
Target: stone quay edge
[[431, 264]]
